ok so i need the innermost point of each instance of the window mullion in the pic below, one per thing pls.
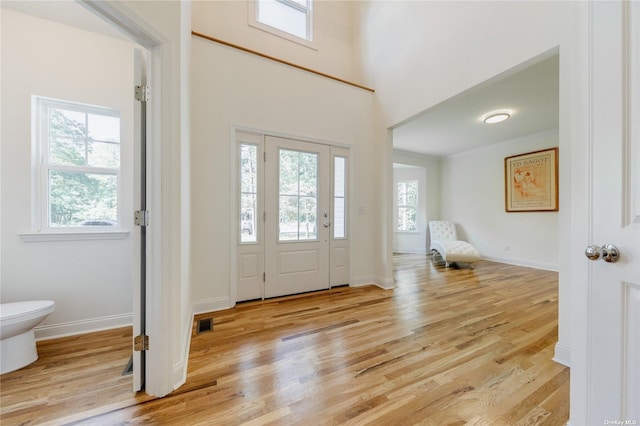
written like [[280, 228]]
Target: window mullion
[[309, 17], [84, 169], [86, 138]]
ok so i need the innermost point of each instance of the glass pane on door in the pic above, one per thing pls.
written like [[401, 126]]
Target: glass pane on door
[[298, 195], [339, 208], [248, 192]]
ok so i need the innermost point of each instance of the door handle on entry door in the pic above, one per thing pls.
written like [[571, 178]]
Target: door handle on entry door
[[608, 252], [326, 223]]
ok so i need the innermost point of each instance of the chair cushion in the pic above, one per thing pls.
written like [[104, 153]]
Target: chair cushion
[[456, 251]]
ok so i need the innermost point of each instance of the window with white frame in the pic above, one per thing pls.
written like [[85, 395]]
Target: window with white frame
[[339, 196], [77, 165], [291, 19], [248, 192], [407, 205]]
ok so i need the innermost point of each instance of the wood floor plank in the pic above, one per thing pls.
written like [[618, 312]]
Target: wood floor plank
[[446, 346]]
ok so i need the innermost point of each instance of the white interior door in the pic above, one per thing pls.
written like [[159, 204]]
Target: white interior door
[[612, 362], [297, 216]]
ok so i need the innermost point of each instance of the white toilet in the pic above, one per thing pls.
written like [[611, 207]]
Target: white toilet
[[17, 341]]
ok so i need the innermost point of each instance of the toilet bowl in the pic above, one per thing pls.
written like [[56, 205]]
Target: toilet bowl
[[17, 340]]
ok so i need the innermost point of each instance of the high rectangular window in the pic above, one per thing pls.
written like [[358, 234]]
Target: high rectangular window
[[78, 164], [290, 19]]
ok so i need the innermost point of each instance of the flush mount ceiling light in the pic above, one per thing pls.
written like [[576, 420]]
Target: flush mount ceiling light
[[496, 117]]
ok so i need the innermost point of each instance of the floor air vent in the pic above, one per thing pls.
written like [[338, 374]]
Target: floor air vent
[[204, 325]]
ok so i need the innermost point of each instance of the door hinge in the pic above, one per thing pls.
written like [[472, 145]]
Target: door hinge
[[264, 277], [141, 218], [264, 156], [143, 94], [264, 216], [141, 343]]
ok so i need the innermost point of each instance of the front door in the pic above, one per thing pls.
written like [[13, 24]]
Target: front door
[[611, 365], [292, 207], [297, 216]]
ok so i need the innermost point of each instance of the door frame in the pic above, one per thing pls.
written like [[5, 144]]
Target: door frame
[[139, 202], [235, 201], [581, 176], [159, 379]]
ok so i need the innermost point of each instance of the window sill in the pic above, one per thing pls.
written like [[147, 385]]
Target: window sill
[[408, 232], [35, 237], [282, 34]]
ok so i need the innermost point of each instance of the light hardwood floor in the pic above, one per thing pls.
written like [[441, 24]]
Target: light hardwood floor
[[447, 346]]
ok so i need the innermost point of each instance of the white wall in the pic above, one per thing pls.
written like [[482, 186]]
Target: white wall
[[90, 281], [473, 197], [232, 88]]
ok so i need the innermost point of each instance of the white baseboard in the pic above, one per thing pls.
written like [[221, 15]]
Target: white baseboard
[[525, 263], [212, 305], [383, 283], [361, 281], [562, 355], [52, 331], [179, 374], [411, 251]]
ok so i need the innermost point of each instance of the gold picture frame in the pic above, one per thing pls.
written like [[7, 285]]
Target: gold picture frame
[[531, 181]]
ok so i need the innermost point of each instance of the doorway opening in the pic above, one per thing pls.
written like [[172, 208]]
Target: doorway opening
[[410, 201]]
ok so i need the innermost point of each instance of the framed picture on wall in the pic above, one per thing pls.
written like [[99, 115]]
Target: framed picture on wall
[[531, 181]]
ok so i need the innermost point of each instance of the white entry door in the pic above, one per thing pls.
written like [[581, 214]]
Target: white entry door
[[297, 216], [292, 209], [606, 388]]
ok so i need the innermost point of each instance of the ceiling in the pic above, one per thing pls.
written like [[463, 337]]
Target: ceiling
[[65, 12], [455, 126]]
